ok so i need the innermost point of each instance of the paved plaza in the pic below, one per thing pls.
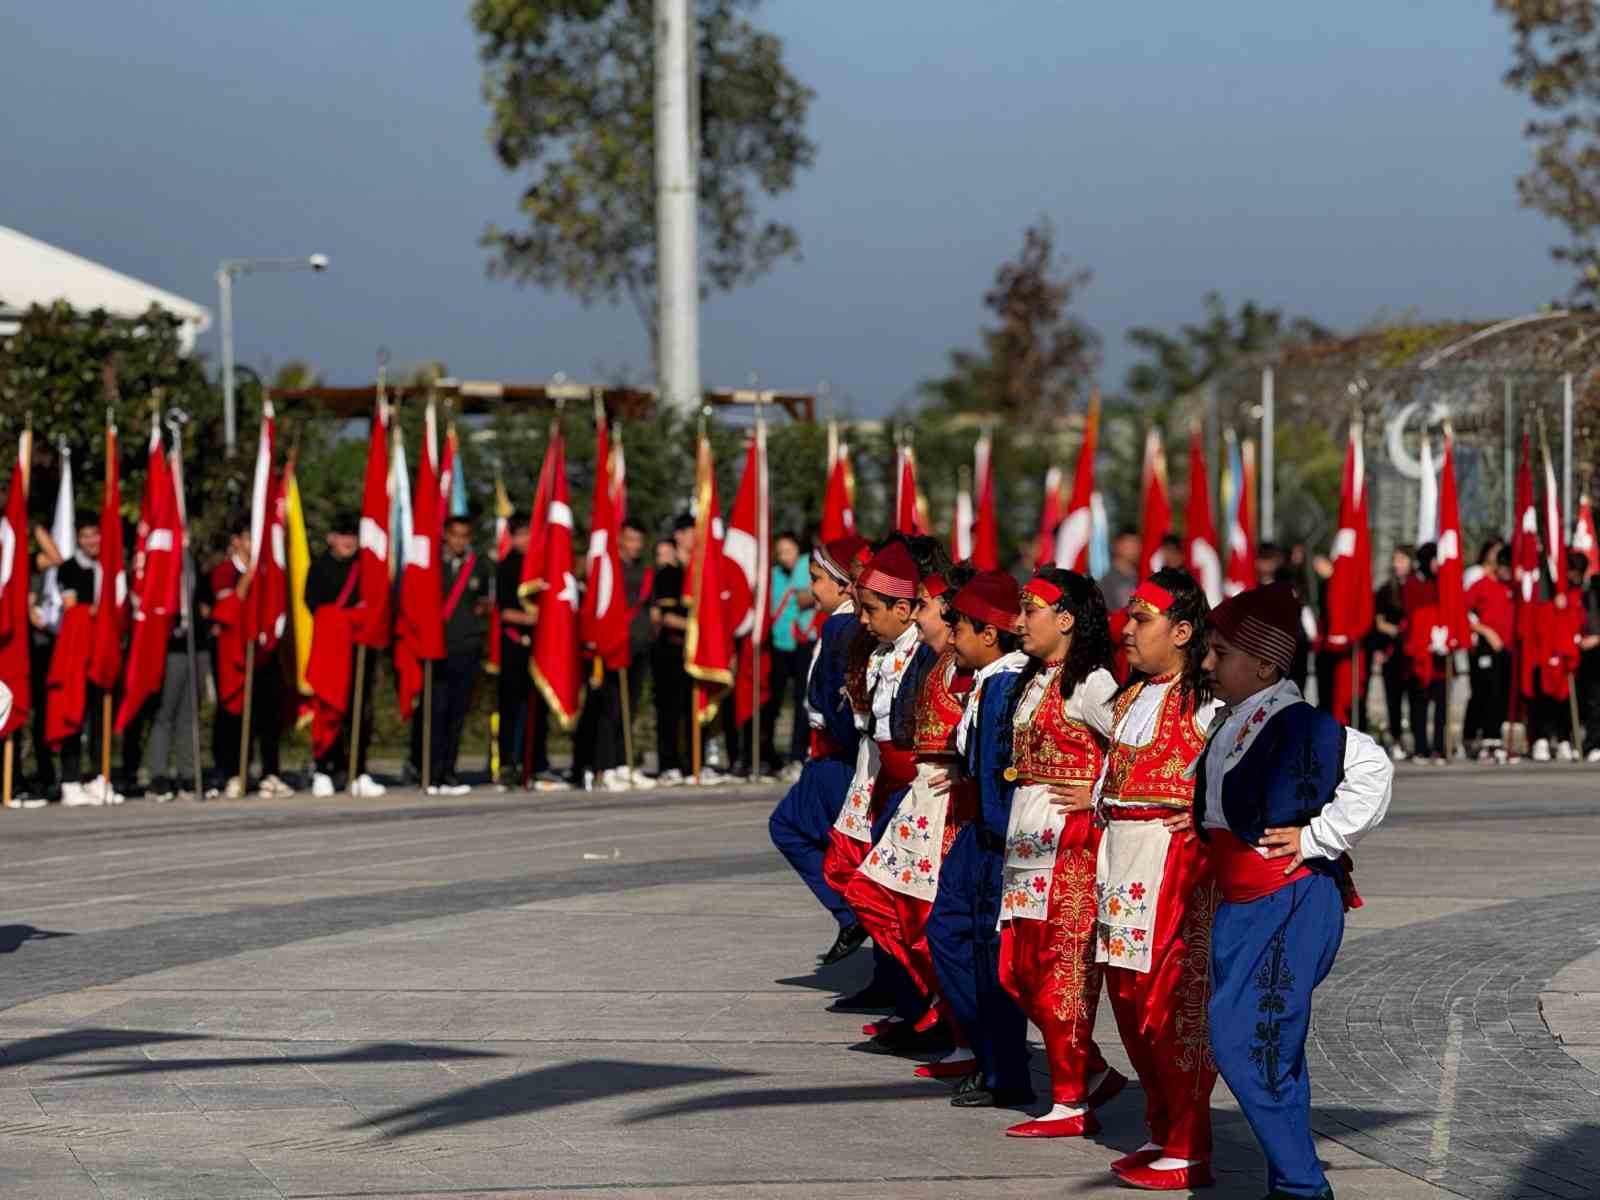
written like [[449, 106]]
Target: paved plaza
[[613, 996]]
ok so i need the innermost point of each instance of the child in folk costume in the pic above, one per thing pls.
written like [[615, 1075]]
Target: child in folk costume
[[1153, 881], [963, 926], [894, 887], [1047, 912], [801, 823], [1282, 792]]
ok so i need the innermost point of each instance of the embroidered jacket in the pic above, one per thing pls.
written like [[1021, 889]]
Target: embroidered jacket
[[825, 690], [1051, 747], [989, 753], [940, 700], [1155, 772]]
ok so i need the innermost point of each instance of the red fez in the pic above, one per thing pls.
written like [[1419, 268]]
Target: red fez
[[892, 573], [1264, 621], [992, 598], [839, 555], [935, 586]]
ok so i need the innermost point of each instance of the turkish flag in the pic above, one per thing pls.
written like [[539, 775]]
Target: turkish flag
[[985, 533], [961, 526], [708, 641], [533, 578], [1199, 529], [603, 620], [1448, 566], [14, 623], [503, 513], [1155, 518], [1350, 600], [265, 587], [158, 585], [1044, 552], [1072, 539], [908, 508], [372, 628], [419, 624], [1241, 569], [554, 663], [1583, 537], [747, 575], [838, 514], [111, 612]]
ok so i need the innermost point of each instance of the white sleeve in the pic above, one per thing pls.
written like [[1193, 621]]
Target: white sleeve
[[1095, 695], [5, 703], [1358, 804]]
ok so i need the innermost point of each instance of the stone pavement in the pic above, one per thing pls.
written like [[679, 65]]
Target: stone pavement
[[613, 996]]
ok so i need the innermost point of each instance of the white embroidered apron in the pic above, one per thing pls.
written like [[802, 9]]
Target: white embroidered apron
[[907, 856], [1033, 835], [855, 818], [1128, 872]]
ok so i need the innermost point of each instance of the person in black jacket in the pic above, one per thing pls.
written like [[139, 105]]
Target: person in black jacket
[[334, 578]]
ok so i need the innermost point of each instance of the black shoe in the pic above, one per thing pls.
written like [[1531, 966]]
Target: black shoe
[[870, 999], [904, 1037], [982, 1097], [970, 1083], [850, 940]]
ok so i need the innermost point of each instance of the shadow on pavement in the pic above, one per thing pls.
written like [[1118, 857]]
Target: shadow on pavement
[[845, 977], [1567, 1165], [791, 1098], [375, 1052], [12, 936], [537, 1091], [82, 1041]]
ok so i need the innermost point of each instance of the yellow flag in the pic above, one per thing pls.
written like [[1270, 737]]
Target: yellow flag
[[299, 567]]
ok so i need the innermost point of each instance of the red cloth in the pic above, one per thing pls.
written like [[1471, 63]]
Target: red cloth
[[111, 605], [15, 628], [228, 614], [1420, 598], [161, 541], [985, 534], [554, 662], [1162, 1014], [1490, 601], [1044, 551], [1242, 874], [1557, 632], [1048, 966], [907, 506], [419, 625], [708, 641], [604, 619], [1155, 520], [67, 687], [329, 672], [837, 518], [372, 629]]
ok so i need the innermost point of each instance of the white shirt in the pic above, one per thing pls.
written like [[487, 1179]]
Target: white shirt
[[1138, 728], [1012, 662], [813, 718], [885, 669], [1359, 802], [1089, 703]]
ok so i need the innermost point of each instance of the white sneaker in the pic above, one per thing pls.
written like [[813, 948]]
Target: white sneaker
[[233, 789], [321, 785], [456, 789], [589, 779], [1397, 752], [28, 802], [274, 788], [636, 780], [615, 779], [1593, 756], [1565, 752], [672, 778], [105, 793], [368, 787], [1541, 750], [75, 795], [791, 773]]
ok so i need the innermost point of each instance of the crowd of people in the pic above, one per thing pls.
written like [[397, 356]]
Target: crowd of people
[[1022, 794]]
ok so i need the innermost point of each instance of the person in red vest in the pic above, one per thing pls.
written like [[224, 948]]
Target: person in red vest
[[1491, 613]]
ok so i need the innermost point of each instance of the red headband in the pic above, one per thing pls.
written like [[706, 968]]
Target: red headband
[[1152, 596], [1042, 590]]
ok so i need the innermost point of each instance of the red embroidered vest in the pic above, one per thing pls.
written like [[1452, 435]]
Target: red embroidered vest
[[1053, 748], [939, 707], [1157, 772]]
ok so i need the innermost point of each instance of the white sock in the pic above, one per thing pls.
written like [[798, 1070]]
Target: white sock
[[1172, 1164], [1146, 1148], [959, 1054], [1063, 1112]]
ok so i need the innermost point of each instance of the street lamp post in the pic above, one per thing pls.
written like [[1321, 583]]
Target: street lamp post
[[227, 270]]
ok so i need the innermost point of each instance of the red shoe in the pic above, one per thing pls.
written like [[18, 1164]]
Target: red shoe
[[1138, 1158], [946, 1070], [1110, 1088], [874, 1028], [1079, 1126], [1147, 1178]]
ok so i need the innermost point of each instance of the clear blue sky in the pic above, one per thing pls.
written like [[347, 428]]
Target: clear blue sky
[[1337, 160]]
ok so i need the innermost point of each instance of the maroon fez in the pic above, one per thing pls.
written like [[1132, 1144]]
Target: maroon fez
[[992, 597], [839, 555], [1263, 621], [892, 573]]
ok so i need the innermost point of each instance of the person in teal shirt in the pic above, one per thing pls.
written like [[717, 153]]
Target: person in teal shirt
[[792, 637]]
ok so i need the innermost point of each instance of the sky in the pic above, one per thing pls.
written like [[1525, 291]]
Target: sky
[[1342, 162]]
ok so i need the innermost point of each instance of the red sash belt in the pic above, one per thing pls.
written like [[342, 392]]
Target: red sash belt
[[1242, 874], [1141, 812], [823, 746], [896, 769]]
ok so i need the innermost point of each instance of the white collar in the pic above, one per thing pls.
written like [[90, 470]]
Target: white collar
[[1237, 727], [84, 561], [846, 606], [969, 714]]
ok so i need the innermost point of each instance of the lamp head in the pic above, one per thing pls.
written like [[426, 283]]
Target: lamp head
[[318, 262]]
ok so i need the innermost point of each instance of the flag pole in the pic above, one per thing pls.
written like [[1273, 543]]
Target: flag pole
[[350, 772], [627, 725], [105, 699], [10, 752], [176, 418], [427, 723], [758, 598]]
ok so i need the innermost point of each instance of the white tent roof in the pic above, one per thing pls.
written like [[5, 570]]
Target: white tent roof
[[35, 272]]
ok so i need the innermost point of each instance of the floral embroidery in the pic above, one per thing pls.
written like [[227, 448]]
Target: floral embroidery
[[1275, 980], [922, 822], [1137, 934], [925, 866], [1038, 885], [1136, 891]]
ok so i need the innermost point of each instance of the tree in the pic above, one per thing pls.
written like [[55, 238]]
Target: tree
[[571, 86], [1556, 61], [1036, 360], [1181, 363]]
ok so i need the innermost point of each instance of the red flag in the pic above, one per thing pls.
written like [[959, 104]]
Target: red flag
[[1525, 534], [554, 664], [1200, 530], [1555, 554], [909, 515], [265, 587], [1155, 520], [985, 534], [1350, 600], [1044, 552], [961, 524], [603, 621], [15, 628], [1241, 573], [748, 574], [1448, 566], [157, 587], [419, 625], [111, 612], [708, 641], [619, 480], [533, 578], [372, 628], [1583, 537], [1072, 539], [838, 515]]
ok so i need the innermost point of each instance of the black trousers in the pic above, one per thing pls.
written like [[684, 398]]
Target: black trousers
[[72, 758], [337, 760], [1549, 718], [1428, 738], [1490, 702], [789, 671], [1394, 676], [517, 698], [598, 745], [1589, 698], [455, 679], [266, 724], [673, 699]]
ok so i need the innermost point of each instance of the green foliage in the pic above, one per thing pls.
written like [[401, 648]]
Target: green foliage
[[1036, 360], [1556, 62], [571, 89]]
